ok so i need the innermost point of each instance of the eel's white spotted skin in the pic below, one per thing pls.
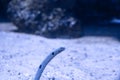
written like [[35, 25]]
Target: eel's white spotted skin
[[46, 61]]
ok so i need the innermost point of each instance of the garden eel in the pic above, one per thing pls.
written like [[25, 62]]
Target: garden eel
[[46, 61]]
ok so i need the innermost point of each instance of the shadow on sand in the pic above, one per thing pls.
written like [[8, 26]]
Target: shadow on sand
[[4, 19], [106, 30]]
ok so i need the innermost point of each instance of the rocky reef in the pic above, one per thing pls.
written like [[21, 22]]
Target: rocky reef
[[45, 17]]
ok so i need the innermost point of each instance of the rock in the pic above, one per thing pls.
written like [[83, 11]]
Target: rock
[[50, 18]]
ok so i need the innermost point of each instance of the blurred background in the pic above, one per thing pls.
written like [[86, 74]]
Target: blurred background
[[61, 18]]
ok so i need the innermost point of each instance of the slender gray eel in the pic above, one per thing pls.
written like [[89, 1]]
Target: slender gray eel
[[46, 61]]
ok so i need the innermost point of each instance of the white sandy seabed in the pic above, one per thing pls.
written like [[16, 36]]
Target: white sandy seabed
[[86, 58]]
